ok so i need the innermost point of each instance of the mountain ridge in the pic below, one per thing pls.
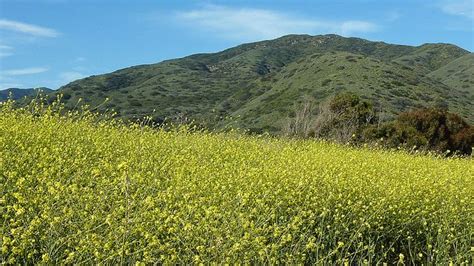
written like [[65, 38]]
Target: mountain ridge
[[18, 93], [208, 87]]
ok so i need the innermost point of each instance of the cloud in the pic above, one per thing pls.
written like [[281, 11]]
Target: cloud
[[24, 71], [4, 86], [5, 51], [69, 76], [463, 8], [5, 54], [349, 27], [251, 24], [25, 28], [14, 78]]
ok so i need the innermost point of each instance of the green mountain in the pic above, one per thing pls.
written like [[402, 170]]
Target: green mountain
[[16, 93], [258, 84], [458, 73]]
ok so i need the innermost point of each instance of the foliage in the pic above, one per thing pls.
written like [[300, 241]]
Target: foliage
[[347, 111], [76, 188], [429, 129], [339, 118]]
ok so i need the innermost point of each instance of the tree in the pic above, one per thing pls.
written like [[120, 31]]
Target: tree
[[338, 118], [343, 116]]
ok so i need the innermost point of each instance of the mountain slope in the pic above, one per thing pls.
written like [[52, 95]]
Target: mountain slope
[[458, 74], [391, 87], [429, 57], [259, 83]]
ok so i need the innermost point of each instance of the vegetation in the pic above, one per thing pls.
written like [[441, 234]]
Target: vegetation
[[339, 118], [346, 118], [458, 74], [17, 94], [429, 129], [78, 188], [257, 84], [343, 117]]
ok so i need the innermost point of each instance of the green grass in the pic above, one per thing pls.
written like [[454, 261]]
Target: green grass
[[80, 189]]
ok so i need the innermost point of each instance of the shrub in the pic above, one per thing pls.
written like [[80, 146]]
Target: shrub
[[343, 116], [339, 118], [325, 82], [428, 129], [134, 102]]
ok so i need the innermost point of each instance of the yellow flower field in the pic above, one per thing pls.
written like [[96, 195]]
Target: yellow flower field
[[79, 189]]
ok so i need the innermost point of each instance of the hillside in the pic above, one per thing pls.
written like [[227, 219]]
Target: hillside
[[391, 87], [258, 84], [458, 74], [17, 93], [77, 189], [430, 57]]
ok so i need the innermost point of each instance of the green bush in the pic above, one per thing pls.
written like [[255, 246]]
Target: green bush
[[427, 129], [343, 117], [351, 106]]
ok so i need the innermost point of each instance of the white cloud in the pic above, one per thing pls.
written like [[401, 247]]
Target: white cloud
[[24, 71], [251, 24], [349, 27], [463, 8], [5, 51], [25, 28], [5, 54], [4, 86], [14, 78], [69, 76]]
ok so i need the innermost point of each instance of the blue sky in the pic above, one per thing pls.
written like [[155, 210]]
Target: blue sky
[[52, 42]]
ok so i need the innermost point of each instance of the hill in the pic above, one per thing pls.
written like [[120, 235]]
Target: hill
[[457, 74], [17, 93], [78, 189], [391, 87], [258, 84]]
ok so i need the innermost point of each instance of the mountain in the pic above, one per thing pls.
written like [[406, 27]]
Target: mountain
[[17, 93], [458, 73], [257, 85]]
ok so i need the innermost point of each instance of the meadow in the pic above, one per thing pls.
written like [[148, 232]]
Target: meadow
[[79, 188]]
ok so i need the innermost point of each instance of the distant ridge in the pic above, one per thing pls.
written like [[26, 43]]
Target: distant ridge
[[17, 93]]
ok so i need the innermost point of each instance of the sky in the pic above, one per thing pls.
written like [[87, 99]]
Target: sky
[[49, 43]]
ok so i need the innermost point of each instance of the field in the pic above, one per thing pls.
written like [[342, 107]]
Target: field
[[76, 188]]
